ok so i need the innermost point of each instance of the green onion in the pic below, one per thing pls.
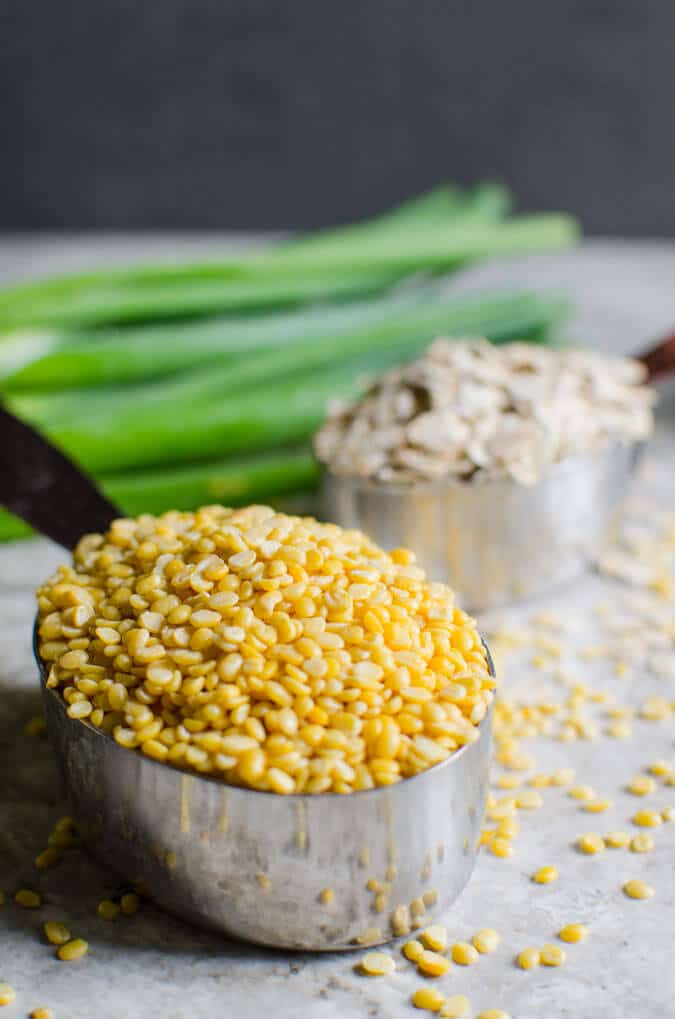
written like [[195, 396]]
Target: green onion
[[11, 528], [429, 248], [100, 307], [267, 417], [440, 206], [20, 349], [135, 354], [230, 482], [401, 334], [293, 275], [211, 416]]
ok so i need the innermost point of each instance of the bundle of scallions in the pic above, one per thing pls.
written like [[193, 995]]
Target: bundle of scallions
[[178, 385]]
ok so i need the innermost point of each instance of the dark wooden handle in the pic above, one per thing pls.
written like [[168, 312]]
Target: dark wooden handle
[[660, 360], [45, 489]]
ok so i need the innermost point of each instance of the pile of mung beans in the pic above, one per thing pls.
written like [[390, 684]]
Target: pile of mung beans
[[272, 651]]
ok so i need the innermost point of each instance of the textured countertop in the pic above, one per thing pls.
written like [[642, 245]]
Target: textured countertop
[[151, 964]]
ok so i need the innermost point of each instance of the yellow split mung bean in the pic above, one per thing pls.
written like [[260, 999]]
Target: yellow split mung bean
[[28, 899], [455, 1007], [597, 806], [529, 958], [464, 954], [107, 909], [7, 994], [552, 955], [573, 933], [435, 938], [486, 940], [647, 818], [641, 785], [500, 846], [57, 933], [73, 950], [529, 799], [637, 889], [428, 998], [130, 903], [432, 964], [642, 843], [617, 839], [582, 792], [412, 950], [48, 858], [545, 875], [591, 843], [272, 651], [377, 964]]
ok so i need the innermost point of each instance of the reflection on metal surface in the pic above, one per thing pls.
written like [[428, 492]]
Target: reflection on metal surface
[[301, 834], [369, 936], [185, 803], [262, 882], [494, 542], [224, 820]]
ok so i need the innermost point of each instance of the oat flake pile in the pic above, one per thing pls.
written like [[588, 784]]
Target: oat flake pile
[[471, 411]]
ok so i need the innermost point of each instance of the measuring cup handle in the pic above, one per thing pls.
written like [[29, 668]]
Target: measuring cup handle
[[660, 360], [45, 489]]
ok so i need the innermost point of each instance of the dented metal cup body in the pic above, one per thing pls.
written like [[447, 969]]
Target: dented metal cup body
[[499, 541], [254, 865]]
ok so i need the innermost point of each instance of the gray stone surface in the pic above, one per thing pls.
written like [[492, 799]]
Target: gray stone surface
[[154, 965]]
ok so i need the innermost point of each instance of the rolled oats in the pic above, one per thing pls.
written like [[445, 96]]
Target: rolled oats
[[472, 411]]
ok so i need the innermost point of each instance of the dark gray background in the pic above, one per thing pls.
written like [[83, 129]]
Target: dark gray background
[[290, 113]]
